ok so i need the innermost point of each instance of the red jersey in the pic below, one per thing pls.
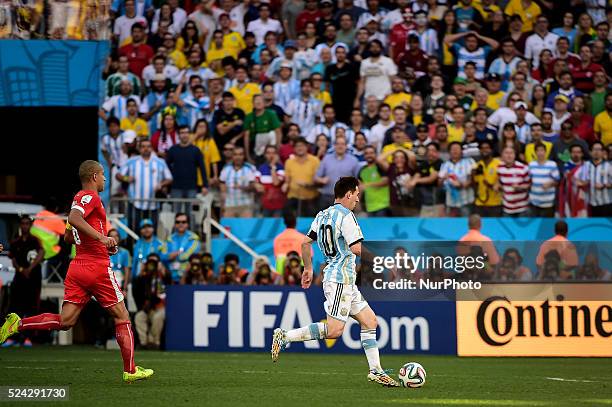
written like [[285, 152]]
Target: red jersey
[[90, 205]]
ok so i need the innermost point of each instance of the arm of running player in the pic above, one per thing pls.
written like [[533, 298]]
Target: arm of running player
[[76, 220], [307, 257]]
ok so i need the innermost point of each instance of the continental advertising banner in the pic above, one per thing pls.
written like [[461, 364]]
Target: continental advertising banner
[[546, 319], [236, 319]]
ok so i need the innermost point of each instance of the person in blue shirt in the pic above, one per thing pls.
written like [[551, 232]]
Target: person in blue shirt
[[147, 244], [180, 246], [120, 262]]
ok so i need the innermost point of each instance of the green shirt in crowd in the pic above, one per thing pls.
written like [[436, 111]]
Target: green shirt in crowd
[[376, 198]]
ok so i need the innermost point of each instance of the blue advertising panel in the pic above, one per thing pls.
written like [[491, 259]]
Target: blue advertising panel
[[236, 319], [51, 73]]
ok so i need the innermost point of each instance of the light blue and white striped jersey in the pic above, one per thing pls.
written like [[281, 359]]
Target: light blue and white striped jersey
[[350, 135], [504, 69], [117, 105], [598, 174], [479, 57], [304, 113], [322, 128], [541, 174], [194, 110], [235, 179], [114, 147], [284, 92], [335, 229], [428, 41], [148, 174], [460, 171], [148, 104]]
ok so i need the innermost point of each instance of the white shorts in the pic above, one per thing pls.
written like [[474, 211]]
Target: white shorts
[[342, 300]]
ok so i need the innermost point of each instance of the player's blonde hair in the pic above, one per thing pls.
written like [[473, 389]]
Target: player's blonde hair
[[88, 168]]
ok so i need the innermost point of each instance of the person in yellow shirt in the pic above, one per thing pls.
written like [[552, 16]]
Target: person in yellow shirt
[[484, 175], [317, 91], [299, 186], [455, 129], [216, 53], [244, 91], [486, 7], [527, 9], [133, 122], [496, 95], [398, 96], [202, 139], [536, 137], [400, 141], [175, 57], [603, 123], [232, 40]]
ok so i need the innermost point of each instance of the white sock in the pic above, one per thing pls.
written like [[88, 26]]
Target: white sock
[[370, 347], [317, 330]]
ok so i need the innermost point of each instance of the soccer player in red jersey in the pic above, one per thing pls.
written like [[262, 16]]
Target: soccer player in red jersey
[[89, 274]]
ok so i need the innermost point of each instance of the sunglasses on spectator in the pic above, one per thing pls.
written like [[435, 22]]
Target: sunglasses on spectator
[[514, 100], [179, 222]]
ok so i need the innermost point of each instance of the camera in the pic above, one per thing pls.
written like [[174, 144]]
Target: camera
[[229, 269], [151, 265]]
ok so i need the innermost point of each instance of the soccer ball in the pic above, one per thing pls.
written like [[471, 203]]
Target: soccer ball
[[412, 374]]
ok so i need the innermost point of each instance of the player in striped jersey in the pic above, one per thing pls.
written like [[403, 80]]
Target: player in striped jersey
[[339, 237]]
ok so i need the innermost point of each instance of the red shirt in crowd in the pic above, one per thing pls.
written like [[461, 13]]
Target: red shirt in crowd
[[516, 175], [398, 38], [583, 76], [306, 17], [139, 56]]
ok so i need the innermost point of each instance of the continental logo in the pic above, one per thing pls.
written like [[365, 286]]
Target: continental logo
[[549, 326], [499, 321]]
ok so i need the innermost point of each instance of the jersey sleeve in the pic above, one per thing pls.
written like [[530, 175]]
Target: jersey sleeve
[[312, 233], [85, 203], [351, 230]]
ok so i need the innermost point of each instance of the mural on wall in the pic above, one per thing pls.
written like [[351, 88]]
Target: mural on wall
[[51, 73]]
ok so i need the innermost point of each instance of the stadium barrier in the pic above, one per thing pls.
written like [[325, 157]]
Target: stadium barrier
[[237, 319]]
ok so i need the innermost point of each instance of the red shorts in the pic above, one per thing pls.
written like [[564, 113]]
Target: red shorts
[[86, 279]]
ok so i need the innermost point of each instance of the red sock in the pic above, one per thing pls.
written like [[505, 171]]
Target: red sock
[[125, 339], [41, 322]]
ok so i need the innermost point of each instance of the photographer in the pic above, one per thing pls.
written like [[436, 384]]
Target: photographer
[[149, 291], [196, 273], [263, 274], [230, 272], [292, 273], [485, 180]]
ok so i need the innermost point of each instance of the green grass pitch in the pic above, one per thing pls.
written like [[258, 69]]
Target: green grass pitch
[[243, 379]]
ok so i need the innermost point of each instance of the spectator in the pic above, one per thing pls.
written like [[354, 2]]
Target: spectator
[[262, 128], [573, 196], [399, 171], [204, 141], [186, 162], [598, 95], [603, 123], [505, 64], [264, 24], [113, 82], [413, 61], [146, 176], [375, 72], [26, 254], [114, 146], [299, 183], [456, 177], [237, 186], [228, 121], [305, 109], [124, 23], [514, 183], [328, 128], [343, 77], [286, 87], [166, 137], [598, 174], [568, 29], [159, 66], [536, 137], [138, 52], [431, 197], [133, 122], [544, 176], [292, 270], [374, 184], [154, 103], [539, 40], [244, 91], [149, 291], [565, 89], [567, 139], [333, 167], [147, 243], [262, 274], [117, 105], [270, 176], [488, 199], [471, 51]]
